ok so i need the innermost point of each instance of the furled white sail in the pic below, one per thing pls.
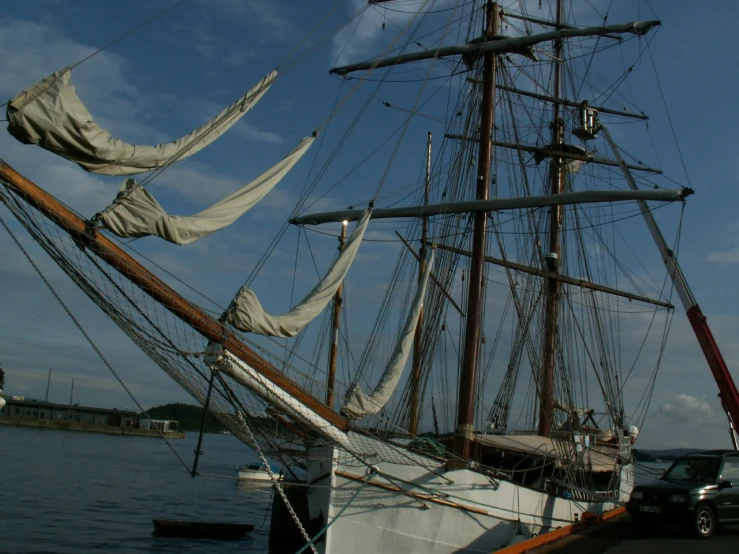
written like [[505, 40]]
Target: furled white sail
[[136, 213], [359, 404], [246, 312], [51, 115]]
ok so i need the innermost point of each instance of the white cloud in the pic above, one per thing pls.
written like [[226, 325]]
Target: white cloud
[[212, 47], [205, 42], [250, 131], [196, 182], [724, 257], [686, 409], [727, 238], [265, 15], [33, 50], [353, 42]]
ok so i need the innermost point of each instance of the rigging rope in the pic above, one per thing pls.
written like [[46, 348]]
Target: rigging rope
[[87, 337], [130, 32], [123, 36], [318, 535]]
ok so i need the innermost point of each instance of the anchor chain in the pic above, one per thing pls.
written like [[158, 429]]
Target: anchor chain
[[276, 484]]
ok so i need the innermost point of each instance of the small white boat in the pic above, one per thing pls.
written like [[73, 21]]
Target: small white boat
[[257, 472]]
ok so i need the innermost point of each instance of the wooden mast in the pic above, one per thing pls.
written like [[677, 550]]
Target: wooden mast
[[553, 286], [415, 399], [336, 319], [190, 314], [468, 377]]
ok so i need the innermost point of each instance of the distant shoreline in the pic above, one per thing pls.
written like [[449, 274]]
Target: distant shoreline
[[88, 428]]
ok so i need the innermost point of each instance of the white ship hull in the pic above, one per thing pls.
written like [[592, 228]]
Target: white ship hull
[[438, 511], [254, 476]]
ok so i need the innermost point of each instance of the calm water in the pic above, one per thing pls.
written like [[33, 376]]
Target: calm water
[[65, 492], [646, 472]]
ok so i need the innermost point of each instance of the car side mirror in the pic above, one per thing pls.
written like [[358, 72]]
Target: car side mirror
[[725, 485]]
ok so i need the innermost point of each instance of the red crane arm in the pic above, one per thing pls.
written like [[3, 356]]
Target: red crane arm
[[727, 388]]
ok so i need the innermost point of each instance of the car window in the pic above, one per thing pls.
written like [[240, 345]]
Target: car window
[[703, 470], [731, 470]]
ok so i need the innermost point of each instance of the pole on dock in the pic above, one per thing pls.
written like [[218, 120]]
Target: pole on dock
[[48, 382]]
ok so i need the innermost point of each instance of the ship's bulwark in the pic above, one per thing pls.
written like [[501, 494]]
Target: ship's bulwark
[[412, 503]]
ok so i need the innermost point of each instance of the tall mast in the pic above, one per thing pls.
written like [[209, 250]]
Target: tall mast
[[333, 354], [417, 339], [468, 377], [71, 393], [553, 286]]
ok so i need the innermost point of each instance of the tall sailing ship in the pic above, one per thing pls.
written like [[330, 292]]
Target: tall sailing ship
[[486, 403]]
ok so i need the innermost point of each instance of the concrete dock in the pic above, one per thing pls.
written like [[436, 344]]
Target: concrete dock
[[619, 536], [89, 428]]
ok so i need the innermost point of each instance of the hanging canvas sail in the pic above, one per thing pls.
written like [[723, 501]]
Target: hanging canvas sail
[[136, 213], [359, 404], [246, 312], [51, 115]]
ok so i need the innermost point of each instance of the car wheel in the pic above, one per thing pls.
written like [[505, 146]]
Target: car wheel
[[704, 520]]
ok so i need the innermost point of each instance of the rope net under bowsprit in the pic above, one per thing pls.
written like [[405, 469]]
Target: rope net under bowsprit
[[173, 345], [178, 348]]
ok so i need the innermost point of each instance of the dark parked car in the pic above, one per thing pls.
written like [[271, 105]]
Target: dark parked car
[[699, 489]]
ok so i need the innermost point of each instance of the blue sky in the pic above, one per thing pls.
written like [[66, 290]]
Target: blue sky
[[172, 75]]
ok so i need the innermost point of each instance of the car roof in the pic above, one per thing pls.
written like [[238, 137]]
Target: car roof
[[711, 454]]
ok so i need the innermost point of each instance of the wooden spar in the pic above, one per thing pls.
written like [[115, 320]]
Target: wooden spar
[[564, 278], [558, 151], [336, 318], [415, 379], [553, 286], [494, 44], [570, 103], [433, 277], [498, 204], [545, 23], [475, 298], [193, 316]]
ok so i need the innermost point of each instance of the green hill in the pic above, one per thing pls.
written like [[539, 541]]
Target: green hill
[[188, 416]]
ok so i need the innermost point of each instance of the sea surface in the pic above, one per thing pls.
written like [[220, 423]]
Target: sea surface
[[83, 493]]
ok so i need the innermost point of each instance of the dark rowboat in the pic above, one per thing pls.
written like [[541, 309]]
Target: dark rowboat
[[200, 530]]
